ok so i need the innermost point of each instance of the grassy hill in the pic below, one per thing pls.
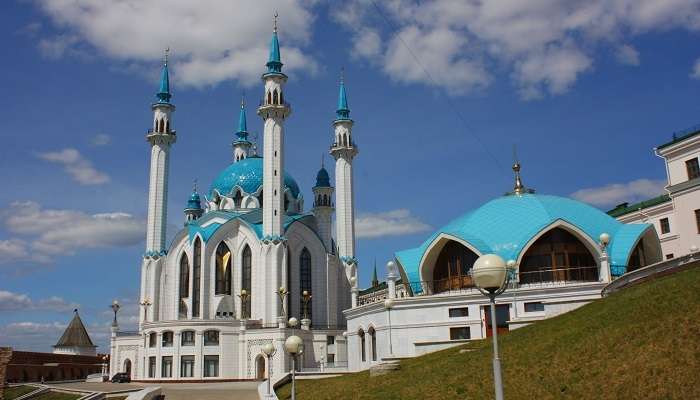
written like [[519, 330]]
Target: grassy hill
[[640, 343]]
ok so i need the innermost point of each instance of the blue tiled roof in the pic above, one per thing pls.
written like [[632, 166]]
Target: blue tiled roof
[[322, 178], [252, 218], [194, 202], [164, 89], [505, 225], [248, 175]]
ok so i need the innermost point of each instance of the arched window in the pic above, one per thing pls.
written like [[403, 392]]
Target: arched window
[[452, 267], [361, 334], [275, 98], [184, 285], [246, 269], [223, 270], [305, 280], [269, 98], [281, 98], [556, 256], [197, 277], [167, 126], [286, 203], [237, 198], [373, 342], [260, 199]]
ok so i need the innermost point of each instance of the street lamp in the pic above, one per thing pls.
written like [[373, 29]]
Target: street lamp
[[491, 278], [269, 350], [388, 304], [145, 303], [306, 298], [244, 300], [293, 322], [294, 346], [115, 307]]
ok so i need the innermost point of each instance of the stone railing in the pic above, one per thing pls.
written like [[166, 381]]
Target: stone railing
[[653, 271]]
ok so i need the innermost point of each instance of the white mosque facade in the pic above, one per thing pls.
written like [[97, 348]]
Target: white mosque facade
[[248, 259]]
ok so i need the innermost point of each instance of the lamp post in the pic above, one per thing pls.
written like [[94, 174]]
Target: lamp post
[[115, 307], [606, 274], [294, 346], [269, 350], [305, 298], [104, 365], [388, 304], [491, 278], [244, 300]]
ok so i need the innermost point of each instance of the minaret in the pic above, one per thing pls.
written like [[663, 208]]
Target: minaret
[[344, 150], [323, 206], [194, 206], [274, 110], [241, 146], [375, 280], [160, 136]]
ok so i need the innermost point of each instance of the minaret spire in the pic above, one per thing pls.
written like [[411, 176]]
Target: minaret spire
[[241, 145], [274, 62], [518, 188], [375, 281], [163, 94], [343, 111]]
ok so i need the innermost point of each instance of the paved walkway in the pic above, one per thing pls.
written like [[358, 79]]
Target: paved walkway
[[179, 391]]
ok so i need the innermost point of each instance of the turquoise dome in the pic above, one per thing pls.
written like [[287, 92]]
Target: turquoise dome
[[505, 225], [194, 202], [248, 175], [322, 178]]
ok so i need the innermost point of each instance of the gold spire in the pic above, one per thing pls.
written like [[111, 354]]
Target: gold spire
[[519, 188], [243, 101], [194, 185], [165, 56], [274, 28]]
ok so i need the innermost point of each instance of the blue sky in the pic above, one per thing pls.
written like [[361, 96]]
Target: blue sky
[[440, 92]]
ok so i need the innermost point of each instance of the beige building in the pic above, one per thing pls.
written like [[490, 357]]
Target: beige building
[[675, 214]]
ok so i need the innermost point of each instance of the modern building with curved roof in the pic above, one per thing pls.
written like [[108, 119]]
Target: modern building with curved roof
[[561, 253]]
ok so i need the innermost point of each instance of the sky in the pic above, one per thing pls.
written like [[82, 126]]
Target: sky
[[441, 91]]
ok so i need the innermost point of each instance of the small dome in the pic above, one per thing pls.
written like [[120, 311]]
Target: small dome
[[194, 202], [247, 174], [322, 178]]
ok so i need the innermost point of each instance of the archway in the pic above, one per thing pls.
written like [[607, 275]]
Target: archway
[[556, 256], [127, 367], [647, 251], [452, 267], [260, 368]]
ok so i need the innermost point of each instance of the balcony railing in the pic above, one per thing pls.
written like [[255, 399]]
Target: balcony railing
[[539, 277]]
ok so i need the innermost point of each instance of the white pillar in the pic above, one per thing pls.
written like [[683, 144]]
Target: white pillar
[[605, 274]]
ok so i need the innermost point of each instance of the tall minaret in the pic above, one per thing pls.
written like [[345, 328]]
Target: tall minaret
[[274, 110], [161, 136], [241, 146], [344, 150], [323, 206]]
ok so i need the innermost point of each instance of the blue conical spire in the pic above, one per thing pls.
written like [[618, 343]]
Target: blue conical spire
[[274, 62], [164, 91], [193, 203], [343, 112], [242, 123]]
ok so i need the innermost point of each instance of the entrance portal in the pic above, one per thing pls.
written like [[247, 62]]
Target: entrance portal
[[502, 317], [260, 368]]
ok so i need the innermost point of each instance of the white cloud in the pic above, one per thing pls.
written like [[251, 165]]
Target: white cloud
[[616, 193], [10, 301], [545, 45], [77, 166], [627, 55], [48, 233], [389, 223], [28, 335], [211, 40], [57, 46], [101, 139]]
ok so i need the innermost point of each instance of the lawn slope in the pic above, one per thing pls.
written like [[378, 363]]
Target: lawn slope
[[640, 343]]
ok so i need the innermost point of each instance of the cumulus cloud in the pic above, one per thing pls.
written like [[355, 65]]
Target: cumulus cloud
[[211, 40], [101, 139], [546, 45], [46, 233], [627, 55], [390, 223], [10, 301], [77, 166], [616, 193]]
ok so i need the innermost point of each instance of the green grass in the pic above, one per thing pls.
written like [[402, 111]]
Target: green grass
[[639, 343], [11, 393], [51, 395]]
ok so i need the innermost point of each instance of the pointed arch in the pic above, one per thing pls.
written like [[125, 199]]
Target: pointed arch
[[361, 335], [246, 274], [269, 97], [222, 274], [305, 272], [196, 277], [184, 286], [373, 342], [275, 97]]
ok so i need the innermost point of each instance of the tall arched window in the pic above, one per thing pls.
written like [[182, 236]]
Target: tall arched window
[[184, 285], [197, 277], [452, 267], [269, 97], [223, 270], [238, 199], [361, 334], [246, 268], [275, 99], [305, 280], [373, 342]]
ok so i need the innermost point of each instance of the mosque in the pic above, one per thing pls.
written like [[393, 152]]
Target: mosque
[[251, 266]]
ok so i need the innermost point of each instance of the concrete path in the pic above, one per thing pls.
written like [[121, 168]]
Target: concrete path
[[178, 391]]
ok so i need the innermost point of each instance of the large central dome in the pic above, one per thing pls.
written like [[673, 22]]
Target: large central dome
[[247, 174]]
